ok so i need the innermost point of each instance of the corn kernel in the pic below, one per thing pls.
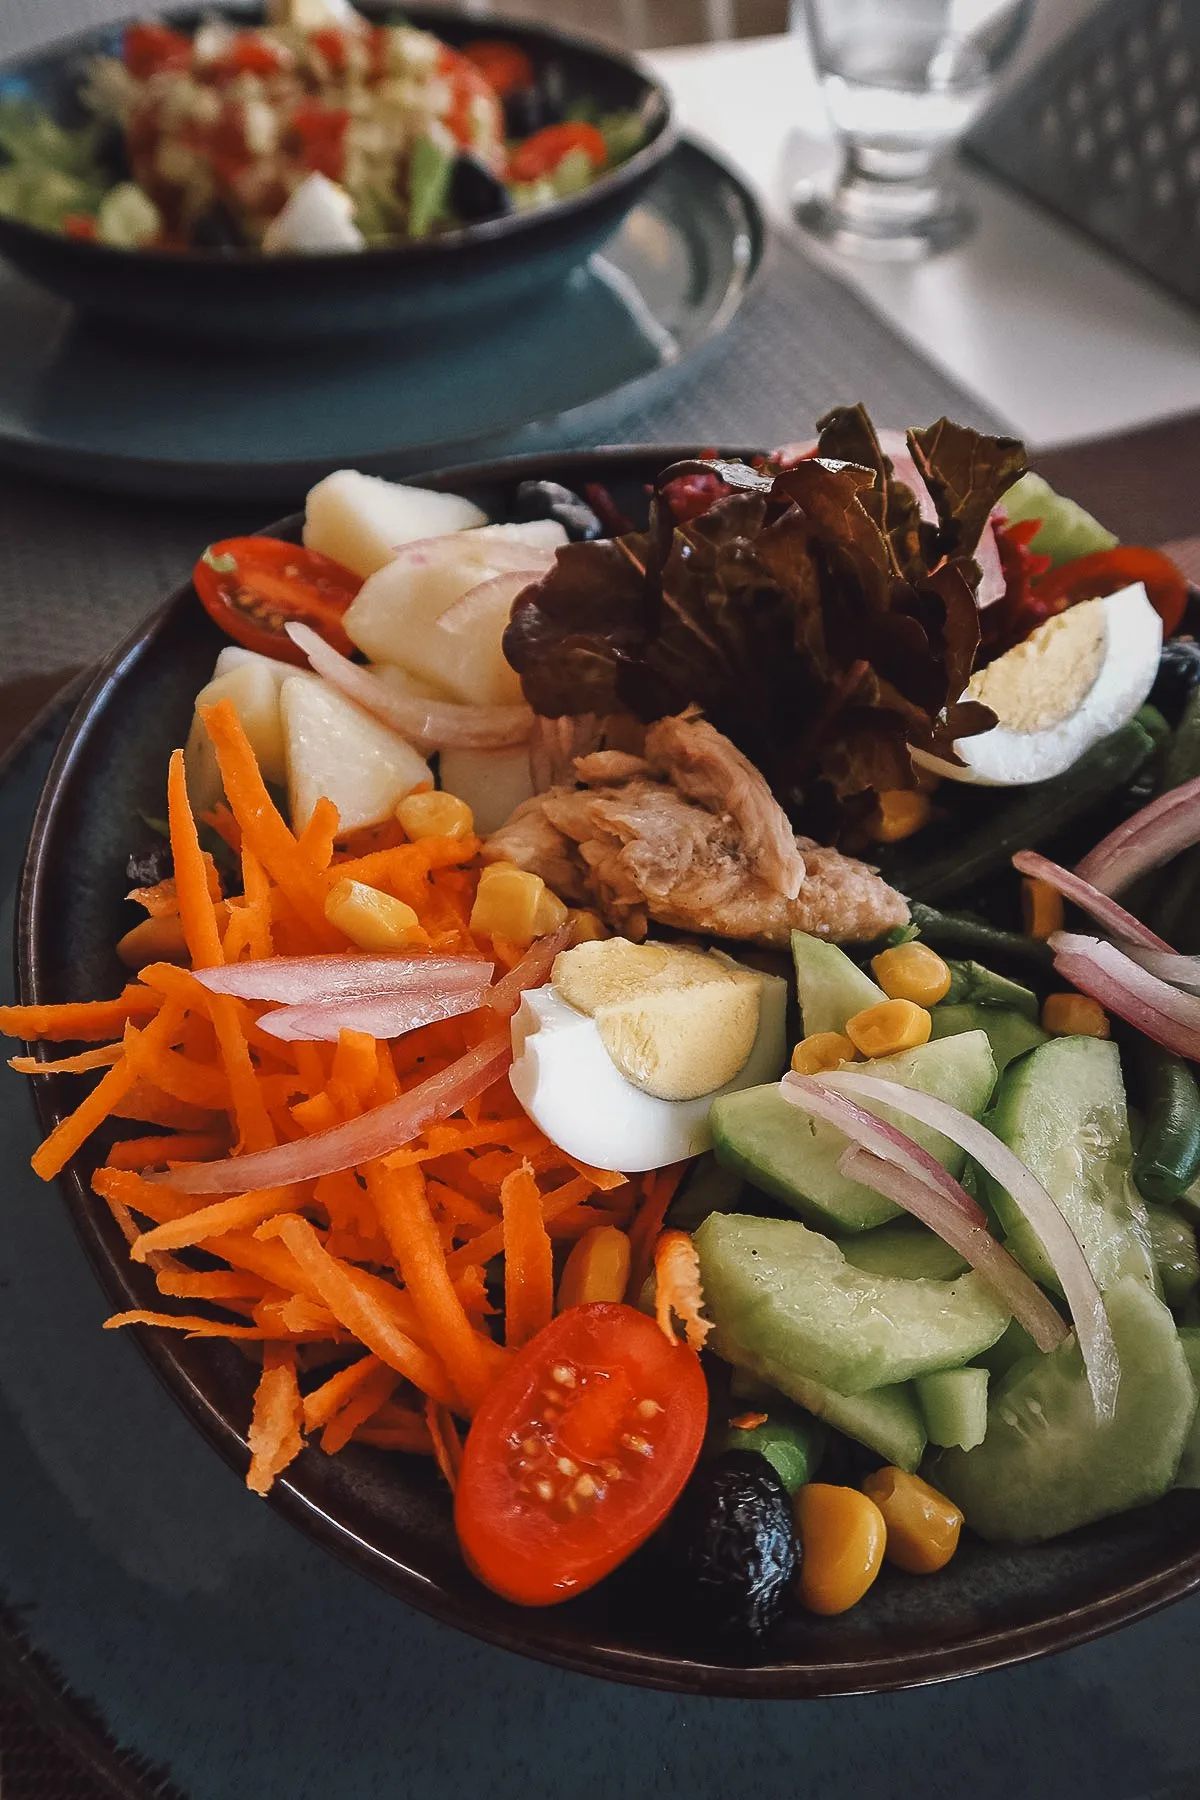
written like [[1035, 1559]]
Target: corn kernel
[[842, 1536], [889, 1026], [822, 1050], [597, 1268], [586, 927], [550, 914], [899, 813], [1074, 1015], [429, 814], [922, 1525], [370, 918], [506, 905], [1041, 907], [912, 972]]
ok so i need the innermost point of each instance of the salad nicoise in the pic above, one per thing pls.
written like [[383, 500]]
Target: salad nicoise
[[646, 1012], [319, 131]]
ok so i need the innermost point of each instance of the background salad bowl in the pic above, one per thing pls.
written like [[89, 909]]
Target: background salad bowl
[[387, 1515], [244, 297]]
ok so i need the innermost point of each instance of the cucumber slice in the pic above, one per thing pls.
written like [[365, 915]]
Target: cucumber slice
[[1062, 1111], [971, 984], [1047, 1464], [1009, 1032], [778, 1148], [954, 1405], [792, 1442], [830, 988], [887, 1419], [1015, 1344], [1188, 1475], [1067, 530], [780, 1291], [1173, 1246], [904, 1249]]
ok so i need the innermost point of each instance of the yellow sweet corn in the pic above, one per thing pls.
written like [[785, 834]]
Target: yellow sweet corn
[[597, 1268], [889, 1026], [912, 972], [922, 1525], [1074, 1015], [434, 814], [842, 1538], [370, 918], [820, 1051]]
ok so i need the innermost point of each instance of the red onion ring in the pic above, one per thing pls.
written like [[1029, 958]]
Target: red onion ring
[[1089, 899], [1121, 985], [305, 980], [1146, 841], [382, 1016]]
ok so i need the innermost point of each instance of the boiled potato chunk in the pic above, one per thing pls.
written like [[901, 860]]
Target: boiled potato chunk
[[677, 1023], [399, 616], [252, 683], [492, 782], [334, 749], [541, 534], [360, 520]]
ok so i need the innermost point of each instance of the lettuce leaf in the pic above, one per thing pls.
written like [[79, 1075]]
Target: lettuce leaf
[[810, 612]]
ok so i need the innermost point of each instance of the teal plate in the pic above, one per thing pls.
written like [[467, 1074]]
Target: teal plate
[[100, 406], [184, 1639]]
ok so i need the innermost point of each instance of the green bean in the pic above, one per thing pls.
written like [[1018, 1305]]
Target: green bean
[[1167, 1159], [963, 931]]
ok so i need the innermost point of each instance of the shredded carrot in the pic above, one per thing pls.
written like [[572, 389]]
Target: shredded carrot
[[528, 1259], [158, 1152], [648, 1222], [217, 1285], [262, 827], [396, 1428], [161, 901], [447, 1445], [400, 1202], [195, 1327], [677, 1288], [196, 912], [375, 1391], [274, 1436], [317, 839], [332, 1395], [150, 1106], [103, 1057], [82, 1021], [124, 1187], [351, 1299], [238, 1213], [71, 1133], [355, 1072], [296, 1316]]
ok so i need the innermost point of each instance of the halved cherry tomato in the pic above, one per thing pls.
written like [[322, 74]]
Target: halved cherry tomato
[[80, 225], [1104, 571], [321, 134], [504, 65], [253, 586], [149, 48], [474, 112], [541, 154], [248, 53], [578, 1453]]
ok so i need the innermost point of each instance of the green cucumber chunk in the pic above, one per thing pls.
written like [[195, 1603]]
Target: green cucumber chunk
[[906, 1249], [1062, 1111], [1009, 1032], [830, 988], [778, 1148], [954, 1405], [999, 1357], [1188, 1475], [1067, 530], [429, 170], [776, 1290], [971, 984], [1173, 1246], [1047, 1464], [792, 1442]]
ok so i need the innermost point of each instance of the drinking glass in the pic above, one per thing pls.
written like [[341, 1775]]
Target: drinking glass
[[902, 80]]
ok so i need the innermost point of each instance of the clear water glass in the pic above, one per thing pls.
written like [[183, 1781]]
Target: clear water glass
[[902, 80]]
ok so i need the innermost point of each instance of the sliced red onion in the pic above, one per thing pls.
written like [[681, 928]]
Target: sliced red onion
[[459, 549], [374, 1134], [1043, 1216], [1152, 837], [485, 600], [874, 1134], [385, 1016], [312, 980], [1121, 985], [1022, 1295], [1169, 965], [532, 971], [430, 724], [1073, 887]]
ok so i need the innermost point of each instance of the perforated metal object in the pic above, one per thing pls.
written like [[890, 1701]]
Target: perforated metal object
[[1107, 133]]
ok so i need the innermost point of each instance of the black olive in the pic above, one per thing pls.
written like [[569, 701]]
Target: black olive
[[524, 112], [1178, 676], [150, 867], [475, 193], [734, 1543], [111, 153], [217, 229], [550, 500]]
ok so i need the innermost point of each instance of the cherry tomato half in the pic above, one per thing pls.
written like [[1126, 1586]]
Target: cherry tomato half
[[1104, 571], [541, 154], [253, 586], [504, 65], [578, 1453], [148, 48]]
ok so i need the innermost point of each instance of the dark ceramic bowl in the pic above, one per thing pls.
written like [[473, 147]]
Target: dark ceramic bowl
[[388, 1516], [246, 298]]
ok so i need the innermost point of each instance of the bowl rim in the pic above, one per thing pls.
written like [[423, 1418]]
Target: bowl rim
[[985, 1648], [658, 106]]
